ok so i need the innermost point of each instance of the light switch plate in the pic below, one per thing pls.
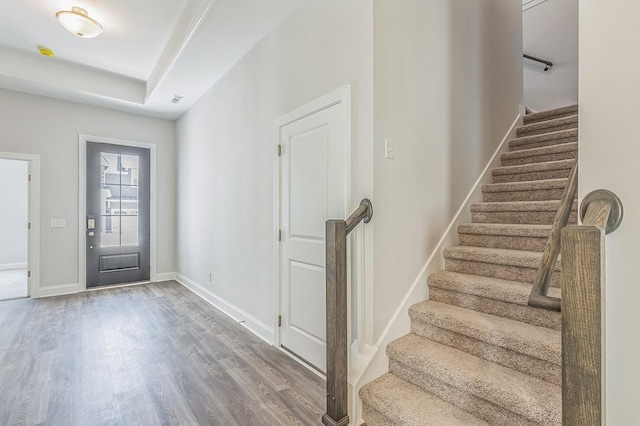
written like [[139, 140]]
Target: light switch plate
[[389, 149], [58, 223]]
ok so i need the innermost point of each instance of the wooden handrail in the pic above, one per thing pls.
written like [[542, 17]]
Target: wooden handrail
[[538, 297], [583, 258], [337, 319]]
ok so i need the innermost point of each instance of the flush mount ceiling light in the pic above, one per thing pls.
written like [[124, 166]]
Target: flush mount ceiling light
[[77, 22]]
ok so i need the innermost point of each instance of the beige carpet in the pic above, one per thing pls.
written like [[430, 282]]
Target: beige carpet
[[13, 284], [477, 354]]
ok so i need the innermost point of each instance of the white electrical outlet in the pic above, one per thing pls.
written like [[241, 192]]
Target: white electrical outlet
[[58, 223]]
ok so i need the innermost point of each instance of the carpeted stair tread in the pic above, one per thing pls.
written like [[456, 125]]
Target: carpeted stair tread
[[507, 264], [544, 139], [404, 403], [534, 171], [518, 212], [535, 190], [494, 288], [537, 342], [519, 206], [505, 298], [525, 186], [504, 235], [522, 394], [506, 229], [547, 126], [521, 258], [538, 155], [550, 114]]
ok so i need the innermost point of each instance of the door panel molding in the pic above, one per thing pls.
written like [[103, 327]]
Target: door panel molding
[[341, 97], [82, 201]]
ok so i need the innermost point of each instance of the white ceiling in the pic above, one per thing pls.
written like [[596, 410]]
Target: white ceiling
[[150, 50]]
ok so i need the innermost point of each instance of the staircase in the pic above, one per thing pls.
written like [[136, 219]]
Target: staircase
[[477, 354]]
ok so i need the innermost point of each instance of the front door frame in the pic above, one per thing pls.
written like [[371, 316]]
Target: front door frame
[[33, 239], [82, 202], [342, 97]]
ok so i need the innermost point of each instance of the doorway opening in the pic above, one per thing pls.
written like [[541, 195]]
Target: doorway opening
[[14, 229]]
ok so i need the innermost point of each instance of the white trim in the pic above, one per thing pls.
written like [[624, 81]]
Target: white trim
[[59, 290], [339, 96], [10, 266], [82, 201], [398, 325], [33, 243], [251, 323], [528, 4], [165, 276]]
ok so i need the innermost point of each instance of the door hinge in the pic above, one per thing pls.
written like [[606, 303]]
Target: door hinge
[[279, 320], [279, 150], [29, 225], [279, 234], [29, 274], [29, 178]]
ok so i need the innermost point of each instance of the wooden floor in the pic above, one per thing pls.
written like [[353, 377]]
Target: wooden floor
[[145, 355]]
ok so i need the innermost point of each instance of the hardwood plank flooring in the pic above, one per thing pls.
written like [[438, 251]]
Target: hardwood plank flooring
[[146, 355]]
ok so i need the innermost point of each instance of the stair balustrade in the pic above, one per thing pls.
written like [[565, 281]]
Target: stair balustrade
[[337, 316]]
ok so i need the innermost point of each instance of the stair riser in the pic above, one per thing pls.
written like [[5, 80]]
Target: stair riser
[[479, 407], [373, 417], [522, 177], [505, 272], [526, 314], [522, 132], [503, 242], [535, 195], [530, 218], [519, 144], [566, 155], [526, 364], [538, 118]]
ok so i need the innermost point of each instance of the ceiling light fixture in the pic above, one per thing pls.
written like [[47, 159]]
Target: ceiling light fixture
[[77, 22]]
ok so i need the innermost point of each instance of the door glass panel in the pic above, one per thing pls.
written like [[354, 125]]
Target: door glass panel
[[110, 231], [129, 230], [119, 199]]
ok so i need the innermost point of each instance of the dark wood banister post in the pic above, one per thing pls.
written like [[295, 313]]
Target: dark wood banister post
[[337, 413]]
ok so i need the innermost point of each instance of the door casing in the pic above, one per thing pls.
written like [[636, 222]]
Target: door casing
[[82, 202], [33, 239], [342, 97]]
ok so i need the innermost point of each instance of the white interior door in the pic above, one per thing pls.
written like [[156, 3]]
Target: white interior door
[[313, 177]]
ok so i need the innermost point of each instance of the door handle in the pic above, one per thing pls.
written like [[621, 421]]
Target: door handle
[[91, 234]]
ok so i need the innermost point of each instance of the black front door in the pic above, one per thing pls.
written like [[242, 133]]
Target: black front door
[[118, 211]]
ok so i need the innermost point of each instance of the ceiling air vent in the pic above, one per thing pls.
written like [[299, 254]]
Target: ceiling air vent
[[176, 99]]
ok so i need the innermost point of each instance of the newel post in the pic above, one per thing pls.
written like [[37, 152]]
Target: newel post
[[337, 345]]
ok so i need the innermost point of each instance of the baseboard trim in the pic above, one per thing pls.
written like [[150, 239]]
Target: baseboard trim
[[165, 276], [252, 324], [9, 266], [58, 290], [377, 363]]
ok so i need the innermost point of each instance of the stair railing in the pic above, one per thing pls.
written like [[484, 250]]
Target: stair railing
[[583, 260], [538, 297], [547, 64], [337, 316]]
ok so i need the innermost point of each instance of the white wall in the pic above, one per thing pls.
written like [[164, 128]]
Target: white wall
[[550, 31], [14, 213], [226, 149], [448, 84], [50, 128], [609, 154]]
